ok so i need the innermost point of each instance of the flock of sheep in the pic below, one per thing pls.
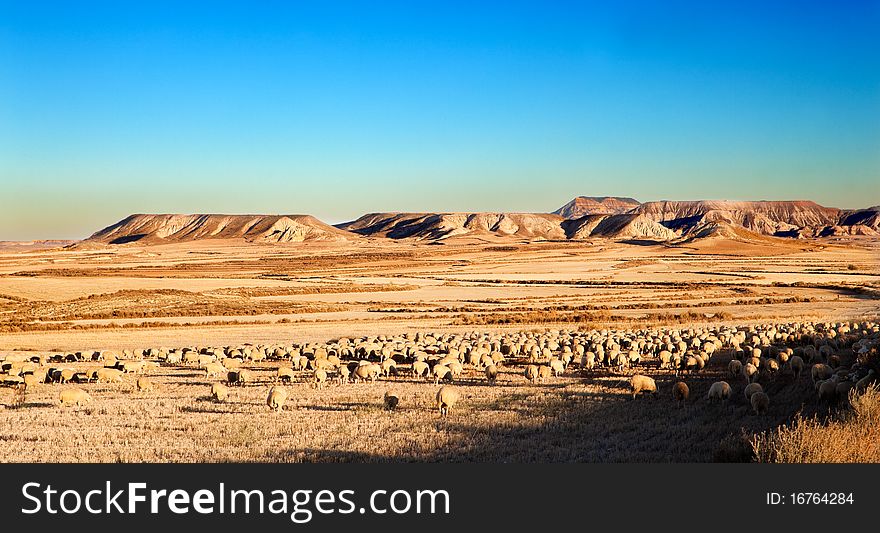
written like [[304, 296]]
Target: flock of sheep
[[766, 350]]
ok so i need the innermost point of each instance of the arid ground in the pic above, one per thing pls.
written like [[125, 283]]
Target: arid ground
[[220, 293]]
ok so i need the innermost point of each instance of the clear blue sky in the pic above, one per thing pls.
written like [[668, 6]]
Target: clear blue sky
[[340, 108]]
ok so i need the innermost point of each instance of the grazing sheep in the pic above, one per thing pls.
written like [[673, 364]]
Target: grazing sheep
[[219, 392], [820, 371], [796, 364], [447, 397], [31, 380], [544, 372], [367, 371], [344, 375], [441, 372], [77, 397], [752, 388], [108, 375], [420, 369], [760, 402], [750, 372], [214, 369], [640, 383], [144, 384], [491, 374], [277, 397], [735, 368], [828, 391], [865, 382], [557, 367], [720, 391], [531, 373], [284, 374], [319, 378], [680, 392], [392, 399]]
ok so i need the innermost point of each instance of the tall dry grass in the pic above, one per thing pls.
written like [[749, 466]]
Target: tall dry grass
[[852, 437]]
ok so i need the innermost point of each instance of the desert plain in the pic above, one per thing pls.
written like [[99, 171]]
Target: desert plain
[[126, 299]]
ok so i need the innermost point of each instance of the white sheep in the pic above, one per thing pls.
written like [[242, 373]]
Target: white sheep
[[720, 391], [447, 397]]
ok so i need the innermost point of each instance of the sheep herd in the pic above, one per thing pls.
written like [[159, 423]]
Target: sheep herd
[[839, 357]]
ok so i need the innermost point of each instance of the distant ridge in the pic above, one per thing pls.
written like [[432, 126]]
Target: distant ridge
[[168, 228], [796, 218], [618, 218]]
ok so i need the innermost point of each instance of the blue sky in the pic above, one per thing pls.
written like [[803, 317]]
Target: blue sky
[[341, 108]]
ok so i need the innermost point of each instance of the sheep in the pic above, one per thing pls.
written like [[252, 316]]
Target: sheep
[[31, 380], [588, 361], [665, 359], [720, 391], [750, 372], [344, 375], [828, 390], [796, 364], [447, 397], [284, 374], [752, 388], [640, 383], [77, 397], [557, 367], [219, 392], [865, 382], [491, 374], [441, 372], [319, 377], [277, 397], [214, 369], [392, 399], [109, 375], [820, 371], [735, 368], [680, 392], [420, 369], [531, 373], [144, 384], [760, 402], [544, 372], [388, 367]]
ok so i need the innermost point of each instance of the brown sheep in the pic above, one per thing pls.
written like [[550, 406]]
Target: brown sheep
[[760, 403], [680, 392], [735, 368], [796, 364], [392, 399], [491, 374], [752, 388], [447, 397]]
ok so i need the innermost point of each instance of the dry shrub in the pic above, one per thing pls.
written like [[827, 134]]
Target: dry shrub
[[734, 449], [853, 437]]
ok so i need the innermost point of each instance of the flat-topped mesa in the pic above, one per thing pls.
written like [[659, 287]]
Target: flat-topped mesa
[[596, 205], [169, 228]]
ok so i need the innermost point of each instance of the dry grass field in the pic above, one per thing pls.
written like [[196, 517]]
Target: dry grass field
[[228, 293]]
